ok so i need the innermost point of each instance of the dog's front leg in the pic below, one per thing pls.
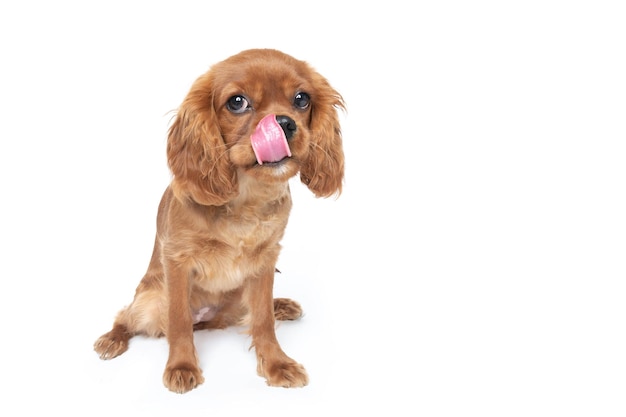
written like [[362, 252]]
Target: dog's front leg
[[182, 373], [272, 363]]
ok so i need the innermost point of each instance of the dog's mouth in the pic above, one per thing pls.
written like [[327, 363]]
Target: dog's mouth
[[269, 142], [272, 164]]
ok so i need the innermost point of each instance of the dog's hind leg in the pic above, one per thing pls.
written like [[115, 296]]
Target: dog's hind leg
[[143, 316]]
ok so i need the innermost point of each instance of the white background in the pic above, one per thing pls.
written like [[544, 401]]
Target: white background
[[474, 264]]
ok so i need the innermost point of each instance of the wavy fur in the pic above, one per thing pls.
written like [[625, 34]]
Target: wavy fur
[[220, 221]]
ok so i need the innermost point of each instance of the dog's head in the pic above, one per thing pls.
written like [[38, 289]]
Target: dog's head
[[260, 113]]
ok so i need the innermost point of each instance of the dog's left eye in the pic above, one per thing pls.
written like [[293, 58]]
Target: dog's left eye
[[302, 100], [237, 104]]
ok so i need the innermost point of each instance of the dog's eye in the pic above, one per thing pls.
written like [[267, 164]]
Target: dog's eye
[[301, 100], [237, 104]]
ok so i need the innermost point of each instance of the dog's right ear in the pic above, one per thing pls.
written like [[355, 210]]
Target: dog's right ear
[[197, 154]]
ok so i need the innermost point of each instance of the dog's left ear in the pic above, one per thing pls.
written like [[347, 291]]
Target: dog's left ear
[[323, 170]]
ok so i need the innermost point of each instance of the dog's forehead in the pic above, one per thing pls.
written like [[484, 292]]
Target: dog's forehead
[[261, 78]]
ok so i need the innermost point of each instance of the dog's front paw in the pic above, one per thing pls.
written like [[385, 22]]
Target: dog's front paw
[[286, 373], [182, 378]]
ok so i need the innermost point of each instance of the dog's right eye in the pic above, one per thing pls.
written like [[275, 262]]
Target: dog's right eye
[[237, 104]]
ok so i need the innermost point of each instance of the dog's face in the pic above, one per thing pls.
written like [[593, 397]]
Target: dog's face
[[261, 113], [250, 89]]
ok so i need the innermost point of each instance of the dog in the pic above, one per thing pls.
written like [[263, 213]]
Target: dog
[[246, 127]]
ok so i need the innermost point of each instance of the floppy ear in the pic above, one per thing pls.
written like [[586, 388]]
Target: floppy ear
[[196, 152], [323, 170]]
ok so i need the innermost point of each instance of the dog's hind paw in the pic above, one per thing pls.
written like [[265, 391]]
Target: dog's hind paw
[[113, 343], [286, 309]]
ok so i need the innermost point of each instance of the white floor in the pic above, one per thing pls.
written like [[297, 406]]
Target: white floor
[[473, 266]]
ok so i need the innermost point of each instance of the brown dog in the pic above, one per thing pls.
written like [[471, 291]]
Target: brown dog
[[246, 127]]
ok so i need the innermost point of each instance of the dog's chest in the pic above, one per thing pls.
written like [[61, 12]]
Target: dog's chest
[[237, 246]]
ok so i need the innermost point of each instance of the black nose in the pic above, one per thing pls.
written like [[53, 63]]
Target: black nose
[[287, 124]]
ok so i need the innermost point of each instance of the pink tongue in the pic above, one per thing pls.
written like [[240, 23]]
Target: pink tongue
[[268, 141]]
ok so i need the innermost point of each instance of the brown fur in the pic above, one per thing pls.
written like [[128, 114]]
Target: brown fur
[[220, 221]]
